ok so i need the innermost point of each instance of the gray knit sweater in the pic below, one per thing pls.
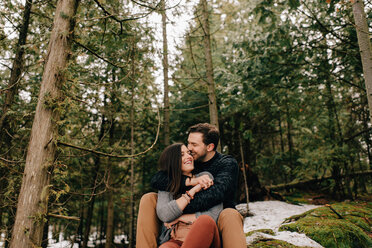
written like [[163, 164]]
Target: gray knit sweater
[[168, 210]]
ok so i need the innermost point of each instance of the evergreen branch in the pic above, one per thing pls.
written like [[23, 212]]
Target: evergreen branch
[[193, 60], [115, 155], [11, 86], [349, 83], [10, 168], [147, 6], [12, 161], [107, 13], [156, 5], [97, 55], [187, 86], [357, 134], [324, 27], [187, 109]]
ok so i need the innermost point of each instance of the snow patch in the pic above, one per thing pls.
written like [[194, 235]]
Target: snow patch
[[270, 215]]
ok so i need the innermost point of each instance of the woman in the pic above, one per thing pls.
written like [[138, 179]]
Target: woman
[[184, 230]]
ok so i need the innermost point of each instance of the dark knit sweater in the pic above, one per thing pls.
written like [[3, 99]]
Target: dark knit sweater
[[224, 169]]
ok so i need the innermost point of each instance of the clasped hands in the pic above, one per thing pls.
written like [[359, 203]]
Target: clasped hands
[[204, 181]]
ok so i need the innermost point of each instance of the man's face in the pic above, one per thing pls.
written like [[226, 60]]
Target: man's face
[[196, 146]]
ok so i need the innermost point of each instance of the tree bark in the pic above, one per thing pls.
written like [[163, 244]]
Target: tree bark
[[110, 216], [244, 171], [364, 48], [110, 192], [165, 73], [33, 198], [213, 112], [97, 163], [17, 65], [132, 123]]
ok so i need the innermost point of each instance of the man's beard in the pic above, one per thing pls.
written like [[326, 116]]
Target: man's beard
[[201, 158]]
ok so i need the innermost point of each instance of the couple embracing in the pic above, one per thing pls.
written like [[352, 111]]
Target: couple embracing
[[194, 206]]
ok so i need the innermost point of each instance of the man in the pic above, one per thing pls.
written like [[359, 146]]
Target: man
[[202, 142]]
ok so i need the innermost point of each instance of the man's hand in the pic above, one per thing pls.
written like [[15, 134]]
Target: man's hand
[[205, 181]]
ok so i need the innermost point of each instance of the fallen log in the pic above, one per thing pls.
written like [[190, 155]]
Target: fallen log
[[316, 180]]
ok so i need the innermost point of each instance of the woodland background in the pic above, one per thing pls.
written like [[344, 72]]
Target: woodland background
[[83, 123]]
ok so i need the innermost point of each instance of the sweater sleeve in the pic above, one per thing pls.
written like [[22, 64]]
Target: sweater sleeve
[[225, 182], [166, 207]]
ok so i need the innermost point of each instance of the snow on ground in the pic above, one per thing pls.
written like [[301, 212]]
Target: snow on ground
[[270, 215], [52, 243]]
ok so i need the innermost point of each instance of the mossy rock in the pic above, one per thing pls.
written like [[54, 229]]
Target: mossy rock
[[267, 231], [269, 243], [326, 228]]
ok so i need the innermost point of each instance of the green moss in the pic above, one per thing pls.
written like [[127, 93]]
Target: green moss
[[271, 243], [326, 228], [295, 198], [267, 231]]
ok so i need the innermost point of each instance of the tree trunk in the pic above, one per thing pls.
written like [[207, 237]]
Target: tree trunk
[[10, 223], [213, 113], [165, 74], [281, 134], [244, 171], [33, 197], [110, 215], [44, 242], [364, 48], [131, 207], [97, 163], [17, 65], [102, 228], [290, 140], [110, 193]]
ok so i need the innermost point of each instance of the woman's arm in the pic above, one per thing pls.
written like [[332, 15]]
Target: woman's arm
[[166, 207], [169, 209]]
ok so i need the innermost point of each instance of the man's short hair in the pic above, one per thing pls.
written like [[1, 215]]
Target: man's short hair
[[211, 135]]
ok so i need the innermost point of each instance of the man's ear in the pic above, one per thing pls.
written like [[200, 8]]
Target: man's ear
[[210, 147]]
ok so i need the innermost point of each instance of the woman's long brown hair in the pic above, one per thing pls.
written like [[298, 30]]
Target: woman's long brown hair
[[170, 161]]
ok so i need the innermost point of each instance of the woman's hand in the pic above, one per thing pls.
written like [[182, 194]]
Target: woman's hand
[[205, 181]]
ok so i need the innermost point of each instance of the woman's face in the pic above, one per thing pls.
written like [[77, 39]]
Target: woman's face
[[187, 161]]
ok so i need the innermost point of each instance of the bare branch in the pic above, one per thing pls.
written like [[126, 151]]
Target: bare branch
[[64, 217]]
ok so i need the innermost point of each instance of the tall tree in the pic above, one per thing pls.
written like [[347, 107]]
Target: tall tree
[[33, 198], [17, 65], [131, 118], [364, 47], [213, 112], [165, 72]]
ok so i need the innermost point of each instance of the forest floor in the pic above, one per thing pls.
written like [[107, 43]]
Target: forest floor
[[309, 220], [303, 220]]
